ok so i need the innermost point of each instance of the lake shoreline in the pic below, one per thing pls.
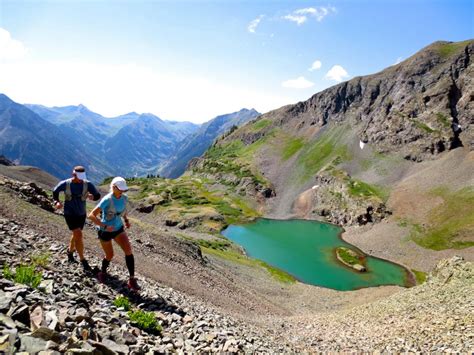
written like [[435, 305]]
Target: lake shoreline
[[408, 278]]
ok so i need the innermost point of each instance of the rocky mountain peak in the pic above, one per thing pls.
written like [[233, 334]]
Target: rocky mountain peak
[[420, 107]]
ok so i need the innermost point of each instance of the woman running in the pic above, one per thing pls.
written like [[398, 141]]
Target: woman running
[[113, 212]]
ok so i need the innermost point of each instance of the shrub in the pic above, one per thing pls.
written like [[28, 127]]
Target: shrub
[[107, 180], [214, 244], [7, 273], [24, 274], [420, 276], [40, 259], [122, 302], [145, 321]]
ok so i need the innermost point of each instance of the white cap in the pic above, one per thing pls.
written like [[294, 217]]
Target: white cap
[[120, 183]]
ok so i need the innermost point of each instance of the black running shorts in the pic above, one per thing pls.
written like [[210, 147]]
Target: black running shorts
[[75, 222], [108, 236]]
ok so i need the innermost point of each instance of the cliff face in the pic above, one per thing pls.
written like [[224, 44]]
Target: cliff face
[[420, 107]]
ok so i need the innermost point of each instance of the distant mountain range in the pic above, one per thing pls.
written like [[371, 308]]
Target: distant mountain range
[[28, 139], [57, 138]]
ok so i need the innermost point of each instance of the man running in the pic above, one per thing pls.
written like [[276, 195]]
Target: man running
[[76, 191]]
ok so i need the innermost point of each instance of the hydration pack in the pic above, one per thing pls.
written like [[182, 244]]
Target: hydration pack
[[68, 193], [111, 211]]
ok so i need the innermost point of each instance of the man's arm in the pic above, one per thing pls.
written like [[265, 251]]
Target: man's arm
[[92, 190], [61, 186]]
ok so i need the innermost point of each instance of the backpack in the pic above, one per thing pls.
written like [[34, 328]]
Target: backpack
[[111, 211], [68, 193]]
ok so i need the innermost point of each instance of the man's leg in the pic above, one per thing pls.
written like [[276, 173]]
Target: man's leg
[[78, 243]]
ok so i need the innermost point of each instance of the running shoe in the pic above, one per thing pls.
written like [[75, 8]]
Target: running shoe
[[85, 265], [133, 284], [70, 257]]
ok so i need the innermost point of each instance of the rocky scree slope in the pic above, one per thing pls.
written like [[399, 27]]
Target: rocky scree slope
[[71, 312], [437, 316]]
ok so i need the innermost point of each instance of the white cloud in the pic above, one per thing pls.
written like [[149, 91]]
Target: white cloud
[[113, 90], [298, 19], [10, 49], [316, 65], [254, 23], [298, 83], [300, 16], [399, 60], [337, 73]]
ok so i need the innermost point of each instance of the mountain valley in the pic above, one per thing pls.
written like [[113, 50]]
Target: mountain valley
[[388, 157]]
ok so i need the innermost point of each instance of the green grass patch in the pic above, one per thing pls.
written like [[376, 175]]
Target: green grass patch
[[24, 274], [235, 158], [423, 126], [348, 256], [362, 189], [145, 321], [214, 244], [187, 196], [235, 257], [443, 120], [261, 124], [447, 50], [420, 276], [322, 151], [122, 302], [291, 147], [450, 225]]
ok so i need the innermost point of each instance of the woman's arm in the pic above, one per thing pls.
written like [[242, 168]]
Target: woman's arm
[[126, 220], [93, 216]]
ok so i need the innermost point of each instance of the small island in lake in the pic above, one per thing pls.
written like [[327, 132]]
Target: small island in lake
[[351, 259]]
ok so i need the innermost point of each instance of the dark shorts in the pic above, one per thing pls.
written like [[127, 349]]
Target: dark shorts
[[108, 236], [75, 222]]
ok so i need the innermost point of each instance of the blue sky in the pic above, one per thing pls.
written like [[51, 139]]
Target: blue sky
[[193, 60]]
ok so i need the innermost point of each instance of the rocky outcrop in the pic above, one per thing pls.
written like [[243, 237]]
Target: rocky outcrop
[[5, 161], [245, 185], [29, 192], [331, 199]]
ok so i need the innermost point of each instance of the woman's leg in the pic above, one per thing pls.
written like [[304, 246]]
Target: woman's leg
[[109, 254], [124, 243]]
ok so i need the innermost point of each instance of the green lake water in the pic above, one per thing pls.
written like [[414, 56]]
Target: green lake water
[[305, 249]]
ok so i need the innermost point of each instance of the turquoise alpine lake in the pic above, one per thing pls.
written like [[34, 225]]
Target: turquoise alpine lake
[[306, 250]]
